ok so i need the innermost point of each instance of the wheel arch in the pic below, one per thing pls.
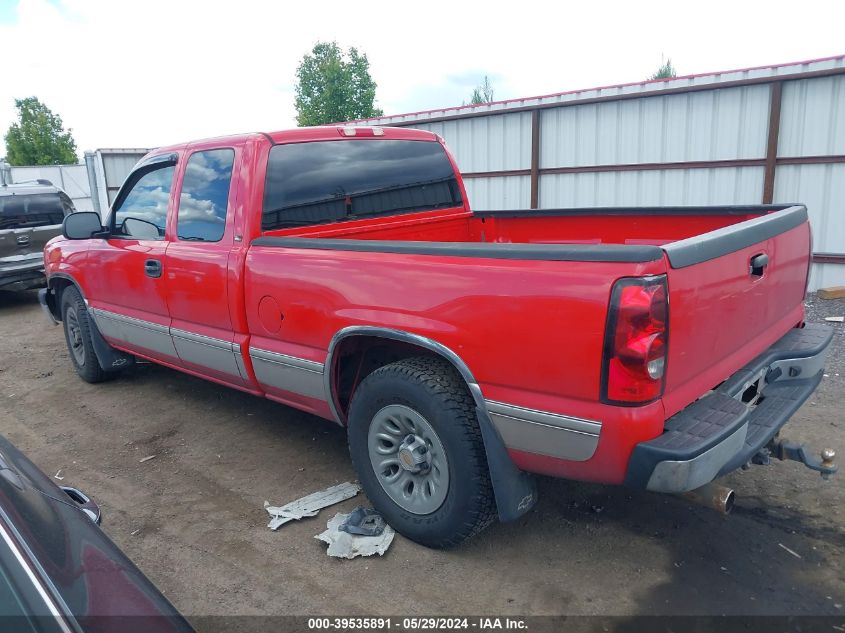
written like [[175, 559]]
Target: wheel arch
[[515, 491], [109, 358], [56, 285], [351, 344]]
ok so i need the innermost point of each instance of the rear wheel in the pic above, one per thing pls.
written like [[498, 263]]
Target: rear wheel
[[77, 329], [417, 447]]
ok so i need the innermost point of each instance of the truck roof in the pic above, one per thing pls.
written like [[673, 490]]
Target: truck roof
[[331, 132], [303, 134]]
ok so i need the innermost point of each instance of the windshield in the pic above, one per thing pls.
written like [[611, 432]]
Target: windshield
[[330, 181]]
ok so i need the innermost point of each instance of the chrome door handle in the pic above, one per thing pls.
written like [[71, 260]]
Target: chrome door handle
[[152, 268]]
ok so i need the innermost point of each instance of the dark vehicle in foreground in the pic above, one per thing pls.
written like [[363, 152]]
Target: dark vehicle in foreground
[[58, 570], [31, 213]]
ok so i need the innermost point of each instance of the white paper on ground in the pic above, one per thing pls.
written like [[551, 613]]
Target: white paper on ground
[[345, 545], [309, 505]]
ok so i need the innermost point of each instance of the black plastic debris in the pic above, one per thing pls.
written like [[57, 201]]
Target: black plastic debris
[[363, 522]]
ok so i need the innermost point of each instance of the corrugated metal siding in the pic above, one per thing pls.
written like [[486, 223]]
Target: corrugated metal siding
[[510, 192], [714, 125], [813, 117], [652, 188], [117, 165], [822, 189], [493, 143]]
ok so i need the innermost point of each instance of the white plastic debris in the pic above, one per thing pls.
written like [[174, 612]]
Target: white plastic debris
[[58, 475], [345, 545], [310, 505], [840, 319]]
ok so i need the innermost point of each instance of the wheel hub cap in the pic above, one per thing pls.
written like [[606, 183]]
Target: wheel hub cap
[[408, 459], [413, 454]]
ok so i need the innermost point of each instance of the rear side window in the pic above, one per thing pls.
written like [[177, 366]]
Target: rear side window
[[332, 181], [205, 196], [31, 210], [143, 212]]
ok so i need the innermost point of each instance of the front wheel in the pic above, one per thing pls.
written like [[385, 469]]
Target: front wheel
[[417, 447], [77, 327]]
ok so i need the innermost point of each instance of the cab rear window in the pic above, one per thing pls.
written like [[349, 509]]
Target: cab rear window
[[31, 210], [334, 181]]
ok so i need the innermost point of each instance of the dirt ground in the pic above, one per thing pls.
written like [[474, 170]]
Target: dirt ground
[[192, 517]]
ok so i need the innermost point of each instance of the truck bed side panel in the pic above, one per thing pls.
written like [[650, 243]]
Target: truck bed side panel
[[530, 331]]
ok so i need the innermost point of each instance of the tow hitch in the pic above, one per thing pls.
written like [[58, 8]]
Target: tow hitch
[[786, 450]]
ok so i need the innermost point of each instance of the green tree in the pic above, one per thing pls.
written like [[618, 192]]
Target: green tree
[[38, 138], [483, 93], [334, 86], [666, 71]]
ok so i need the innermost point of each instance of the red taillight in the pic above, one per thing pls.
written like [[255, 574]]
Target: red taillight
[[635, 342], [809, 263]]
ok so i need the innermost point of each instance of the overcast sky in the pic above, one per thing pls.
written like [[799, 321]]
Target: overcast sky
[[144, 73]]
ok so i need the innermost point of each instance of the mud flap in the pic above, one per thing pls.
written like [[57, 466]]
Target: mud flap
[[47, 299], [108, 357], [515, 491]]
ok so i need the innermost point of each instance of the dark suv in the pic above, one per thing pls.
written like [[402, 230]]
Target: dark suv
[[30, 214]]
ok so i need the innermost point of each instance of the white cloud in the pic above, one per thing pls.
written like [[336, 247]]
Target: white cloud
[[201, 174], [141, 74], [205, 210]]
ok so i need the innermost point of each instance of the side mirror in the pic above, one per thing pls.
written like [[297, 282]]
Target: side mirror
[[82, 225], [141, 229]]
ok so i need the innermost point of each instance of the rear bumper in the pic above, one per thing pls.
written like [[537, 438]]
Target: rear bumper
[[22, 277], [719, 433]]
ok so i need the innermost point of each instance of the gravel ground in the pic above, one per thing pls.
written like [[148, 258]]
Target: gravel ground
[[192, 517]]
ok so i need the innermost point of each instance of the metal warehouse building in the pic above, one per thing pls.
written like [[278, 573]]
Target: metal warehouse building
[[759, 135]]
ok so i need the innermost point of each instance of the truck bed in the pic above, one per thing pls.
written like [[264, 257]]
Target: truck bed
[[606, 225], [521, 296]]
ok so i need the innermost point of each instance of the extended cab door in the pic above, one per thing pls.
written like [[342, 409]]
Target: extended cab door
[[202, 234], [127, 292]]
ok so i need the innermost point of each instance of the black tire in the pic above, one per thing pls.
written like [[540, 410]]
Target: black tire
[[433, 388], [77, 330]]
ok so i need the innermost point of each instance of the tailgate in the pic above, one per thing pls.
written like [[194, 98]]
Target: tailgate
[[721, 312], [26, 242]]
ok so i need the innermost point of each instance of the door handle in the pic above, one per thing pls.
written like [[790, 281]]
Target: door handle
[[152, 268], [758, 264]]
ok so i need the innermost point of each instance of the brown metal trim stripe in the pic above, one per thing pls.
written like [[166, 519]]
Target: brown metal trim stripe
[[811, 160], [829, 258], [535, 159], [497, 174], [775, 99], [689, 164]]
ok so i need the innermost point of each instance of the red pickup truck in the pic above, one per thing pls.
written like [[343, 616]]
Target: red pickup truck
[[340, 270]]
